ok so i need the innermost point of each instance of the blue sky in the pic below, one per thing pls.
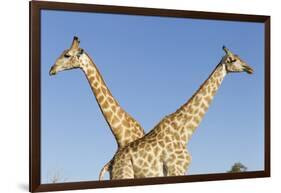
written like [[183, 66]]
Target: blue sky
[[152, 65]]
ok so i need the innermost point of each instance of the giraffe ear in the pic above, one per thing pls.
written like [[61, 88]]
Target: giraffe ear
[[81, 51]]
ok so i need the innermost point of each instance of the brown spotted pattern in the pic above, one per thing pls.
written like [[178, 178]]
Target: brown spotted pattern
[[124, 127]]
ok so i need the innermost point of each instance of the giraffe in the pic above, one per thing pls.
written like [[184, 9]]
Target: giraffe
[[123, 126], [162, 151]]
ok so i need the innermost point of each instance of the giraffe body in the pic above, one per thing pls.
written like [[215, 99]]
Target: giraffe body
[[156, 154]]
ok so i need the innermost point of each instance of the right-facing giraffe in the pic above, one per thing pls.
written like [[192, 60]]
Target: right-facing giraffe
[[162, 152]]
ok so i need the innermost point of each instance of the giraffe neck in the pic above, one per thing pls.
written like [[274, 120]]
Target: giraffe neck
[[193, 111], [124, 128], [180, 125]]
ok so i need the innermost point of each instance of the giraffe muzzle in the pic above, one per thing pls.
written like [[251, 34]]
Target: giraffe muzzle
[[248, 69], [52, 71]]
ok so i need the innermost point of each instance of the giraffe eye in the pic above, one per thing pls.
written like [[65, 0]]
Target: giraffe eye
[[232, 60], [66, 55]]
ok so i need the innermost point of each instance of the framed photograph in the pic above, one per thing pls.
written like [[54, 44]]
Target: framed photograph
[[123, 96]]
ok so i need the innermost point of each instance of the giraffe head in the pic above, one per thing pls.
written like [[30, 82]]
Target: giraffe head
[[69, 59], [234, 63]]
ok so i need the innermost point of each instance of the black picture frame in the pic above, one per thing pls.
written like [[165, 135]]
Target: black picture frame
[[35, 97]]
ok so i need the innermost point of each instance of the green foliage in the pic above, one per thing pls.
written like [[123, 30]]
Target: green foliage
[[237, 167]]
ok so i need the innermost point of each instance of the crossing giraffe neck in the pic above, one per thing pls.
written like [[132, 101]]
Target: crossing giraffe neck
[[180, 125], [124, 128]]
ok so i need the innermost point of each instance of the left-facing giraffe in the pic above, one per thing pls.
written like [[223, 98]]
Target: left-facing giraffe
[[123, 126]]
